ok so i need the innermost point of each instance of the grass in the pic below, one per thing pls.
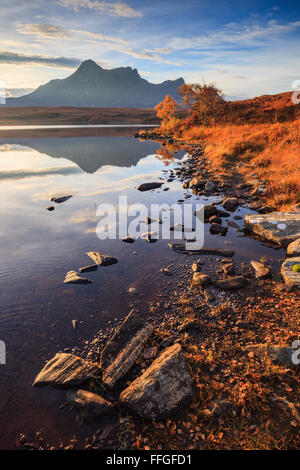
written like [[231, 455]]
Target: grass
[[269, 152]]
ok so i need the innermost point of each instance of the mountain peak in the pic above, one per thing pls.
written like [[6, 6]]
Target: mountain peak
[[89, 65]]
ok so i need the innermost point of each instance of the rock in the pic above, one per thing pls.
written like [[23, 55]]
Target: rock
[[232, 224], [221, 213], [66, 370], [218, 229], [209, 295], [127, 356], [196, 183], [209, 187], [231, 204], [202, 279], [133, 323], [265, 209], [72, 277], [180, 248], [150, 237], [224, 409], [281, 355], [61, 199], [100, 259], [91, 404], [149, 186], [294, 248], [50, 208], [196, 267], [209, 211], [228, 268], [215, 220], [261, 271], [254, 205], [279, 227], [231, 283], [165, 271], [258, 191], [289, 274], [164, 388], [150, 353], [180, 228], [86, 269], [128, 239], [190, 325], [132, 291]]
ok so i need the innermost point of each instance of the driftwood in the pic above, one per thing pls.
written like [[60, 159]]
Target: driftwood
[[180, 248]]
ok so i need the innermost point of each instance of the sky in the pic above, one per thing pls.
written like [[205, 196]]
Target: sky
[[245, 48]]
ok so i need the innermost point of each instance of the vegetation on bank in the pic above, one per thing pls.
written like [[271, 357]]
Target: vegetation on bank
[[268, 149]]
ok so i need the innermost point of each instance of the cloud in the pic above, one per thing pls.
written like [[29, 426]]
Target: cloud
[[235, 34], [112, 9], [18, 58], [21, 174], [52, 32], [16, 92], [43, 30]]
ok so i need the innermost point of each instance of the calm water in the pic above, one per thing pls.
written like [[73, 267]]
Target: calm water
[[39, 247]]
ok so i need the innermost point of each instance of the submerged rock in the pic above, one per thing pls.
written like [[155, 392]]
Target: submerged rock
[[90, 404], [218, 229], [127, 356], [148, 186], [231, 283], [72, 277], [164, 388], [66, 370], [102, 260], [279, 227], [128, 239], [290, 275], [261, 271]]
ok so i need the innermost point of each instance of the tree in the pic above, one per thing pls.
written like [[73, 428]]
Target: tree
[[204, 103], [166, 109]]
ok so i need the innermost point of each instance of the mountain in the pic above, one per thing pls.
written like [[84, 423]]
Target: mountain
[[92, 86]]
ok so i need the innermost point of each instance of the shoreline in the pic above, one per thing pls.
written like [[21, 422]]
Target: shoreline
[[235, 391]]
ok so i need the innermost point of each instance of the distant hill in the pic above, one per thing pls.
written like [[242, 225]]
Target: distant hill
[[92, 86]]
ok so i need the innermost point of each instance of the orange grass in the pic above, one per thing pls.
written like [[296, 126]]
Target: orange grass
[[271, 151]]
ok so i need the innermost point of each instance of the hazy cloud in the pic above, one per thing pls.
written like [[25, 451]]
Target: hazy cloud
[[18, 58], [110, 8]]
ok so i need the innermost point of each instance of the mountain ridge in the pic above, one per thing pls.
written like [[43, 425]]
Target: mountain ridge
[[93, 86]]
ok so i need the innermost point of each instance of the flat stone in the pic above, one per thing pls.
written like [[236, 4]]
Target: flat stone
[[231, 283], [66, 370], [72, 277], [164, 388], [279, 227], [128, 239], [149, 186], [86, 269], [291, 277], [50, 208], [294, 248], [100, 259], [60, 199], [127, 356], [130, 326], [181, 248], [261, 271], [91, 404]]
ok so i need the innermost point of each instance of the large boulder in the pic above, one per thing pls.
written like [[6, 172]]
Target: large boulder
[[127, 356], [89, 403], [279, 227], [294, 248], [164, 388], [66, 370], [290, 275]]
